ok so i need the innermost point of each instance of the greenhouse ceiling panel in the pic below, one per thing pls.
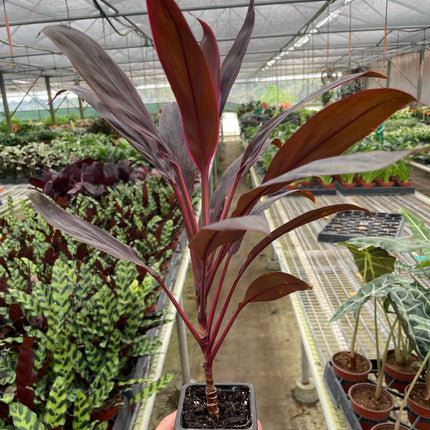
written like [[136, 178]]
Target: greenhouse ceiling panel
[[291, 37]]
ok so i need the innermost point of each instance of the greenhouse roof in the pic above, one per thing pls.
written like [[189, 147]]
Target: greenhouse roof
[[291, 37]]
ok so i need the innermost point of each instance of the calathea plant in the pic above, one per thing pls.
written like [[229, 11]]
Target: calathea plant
[[182, 148]]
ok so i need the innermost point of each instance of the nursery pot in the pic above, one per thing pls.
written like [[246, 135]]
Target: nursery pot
[[418, 407], [396, 375], [237, 405], [365, 184], [340, 361], [370, 411]]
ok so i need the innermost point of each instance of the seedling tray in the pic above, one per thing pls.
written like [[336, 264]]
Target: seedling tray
[[345, 225], [371, 191], [341, 399]]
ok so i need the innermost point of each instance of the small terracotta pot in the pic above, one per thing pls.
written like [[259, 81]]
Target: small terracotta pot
[[395, 377], [329, 186], [417, 411], [370, 417], [347, 376], [404, 184], [365, 184], [385, 184], [348, 184]]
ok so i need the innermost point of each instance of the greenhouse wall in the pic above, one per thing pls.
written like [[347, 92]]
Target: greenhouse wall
[[404, 75]]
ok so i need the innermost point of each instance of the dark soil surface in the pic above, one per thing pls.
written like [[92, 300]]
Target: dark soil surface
[[234, 409], [418, 395], [344, 362], [408, 366]]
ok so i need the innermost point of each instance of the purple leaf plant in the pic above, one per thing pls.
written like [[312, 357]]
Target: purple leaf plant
[[185, 143]]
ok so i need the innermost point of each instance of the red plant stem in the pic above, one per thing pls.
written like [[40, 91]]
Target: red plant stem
[[185, 202], [205, 198], [218, 291], [211, 394], [215, 349], [178, 307], [230, 196], [222, 314]]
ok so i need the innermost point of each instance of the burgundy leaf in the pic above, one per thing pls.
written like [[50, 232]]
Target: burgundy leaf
[[172, 133], [254, 148], [356, 116], [209, 47], [272, 286], [82, 230], [231, 65], [106, 78], [149, 146], [15, 312], [226, 231], [24, 373], [190, 79], [226, 181], [300, 220]]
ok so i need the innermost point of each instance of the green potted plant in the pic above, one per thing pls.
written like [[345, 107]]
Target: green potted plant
[[371, 263], [366, 179], [183, 147], [326, 181], [401, 171], [410, 297], [347, 180], [384, 177]]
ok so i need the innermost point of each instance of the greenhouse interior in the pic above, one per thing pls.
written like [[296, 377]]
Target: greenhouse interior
[[171, 171]]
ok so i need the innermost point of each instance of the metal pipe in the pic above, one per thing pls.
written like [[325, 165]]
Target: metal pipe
[[51, 106], [305, 365], [5, 104]]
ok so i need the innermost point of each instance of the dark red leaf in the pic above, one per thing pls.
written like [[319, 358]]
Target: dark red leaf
[[190, 79], [350, 163], [15, 312], [300, 220], [334, 129], [272, 286], [24, 373], [231, 65], [226, 231]]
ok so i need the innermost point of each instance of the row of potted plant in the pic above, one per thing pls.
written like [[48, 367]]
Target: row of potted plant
[[74, 321], [400, 286], [398, 174]]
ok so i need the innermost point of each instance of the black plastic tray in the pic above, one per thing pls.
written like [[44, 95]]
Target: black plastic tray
[[341, 399], [345, 225], [371, 191]]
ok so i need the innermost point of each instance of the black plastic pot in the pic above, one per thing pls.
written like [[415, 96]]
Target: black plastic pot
[[228, 389]]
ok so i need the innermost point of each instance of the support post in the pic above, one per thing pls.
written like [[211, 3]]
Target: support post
[[51, 106], [183, 349], [273, 264], [5, 104], [420, 75], [305, 390]]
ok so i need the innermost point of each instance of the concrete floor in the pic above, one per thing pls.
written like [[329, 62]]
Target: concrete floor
[[263, 348]]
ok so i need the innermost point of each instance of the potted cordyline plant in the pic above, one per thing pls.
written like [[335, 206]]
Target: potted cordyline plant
[[184, 145]]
